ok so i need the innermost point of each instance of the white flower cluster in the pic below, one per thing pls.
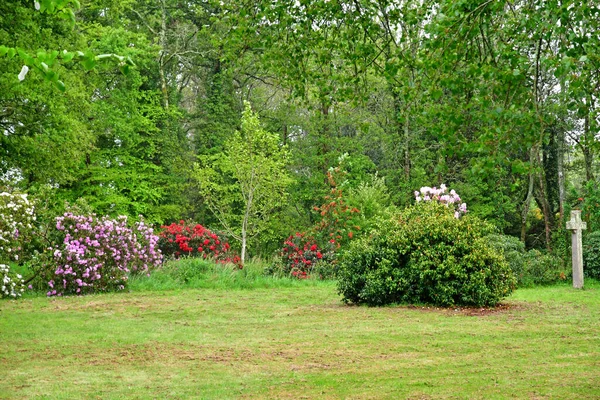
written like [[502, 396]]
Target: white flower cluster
[[428, 194], [11, 286], [16, 219]]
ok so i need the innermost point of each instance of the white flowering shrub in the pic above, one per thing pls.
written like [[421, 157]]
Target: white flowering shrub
[[451, 200], [11, 284], [17, 219]]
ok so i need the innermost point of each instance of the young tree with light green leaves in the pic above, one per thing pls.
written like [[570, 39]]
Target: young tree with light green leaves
[[246, 184]]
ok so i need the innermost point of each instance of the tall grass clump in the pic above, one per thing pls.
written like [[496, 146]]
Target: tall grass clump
[[198, 273]]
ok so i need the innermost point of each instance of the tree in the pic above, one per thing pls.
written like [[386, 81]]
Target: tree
[[245, 185], [46, 62]]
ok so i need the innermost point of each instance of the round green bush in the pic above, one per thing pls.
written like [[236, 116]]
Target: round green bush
[[591, 254], [531, 267], [425, 255], [512, 248], [543, 269]]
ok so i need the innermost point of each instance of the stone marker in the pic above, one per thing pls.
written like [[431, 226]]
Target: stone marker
[[576, 225]]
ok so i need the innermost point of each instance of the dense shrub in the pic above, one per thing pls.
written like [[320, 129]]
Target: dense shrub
[[372, 198], [301, 257], [530, 267], [336, 219], [514, 253], [98, 254], [17, 219], [543, 269], [11, 283], [590, 205], [196, 240], [315, 252], [591, 254], [425, 255]]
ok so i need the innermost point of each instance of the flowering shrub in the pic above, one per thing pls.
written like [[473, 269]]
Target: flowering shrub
[[98, 254], [337, 218], [196, 240], [426, 255], [300, 254], [439, 195], [11, 284], [16, 224], [315, 252]]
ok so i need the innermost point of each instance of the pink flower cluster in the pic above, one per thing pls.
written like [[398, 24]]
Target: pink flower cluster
[[99, 254], [434, 194]]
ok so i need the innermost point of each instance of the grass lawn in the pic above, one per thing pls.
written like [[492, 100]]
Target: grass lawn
[[298, 342]]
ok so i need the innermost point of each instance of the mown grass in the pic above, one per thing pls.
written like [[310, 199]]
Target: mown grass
[[219, 338]]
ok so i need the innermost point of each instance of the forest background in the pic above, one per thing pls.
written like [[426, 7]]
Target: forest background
[[496, 99]]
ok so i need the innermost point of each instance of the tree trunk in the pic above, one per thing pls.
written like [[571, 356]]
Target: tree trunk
[[406, 147], [561, 176], [245, 223], [403, 129], [545, 210], [325, 139], [161, 61], [588, 155], [243, 256], [544, 201], [527, 202]]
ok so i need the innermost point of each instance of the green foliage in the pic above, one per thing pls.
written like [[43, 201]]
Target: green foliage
[[591, 206], [425, 255], [198, 273], [45, 62], [245, 186], [336, 220], [219, 114], [591, 254], [481, 96], [320, 270], [372, 198], [531, 267], [184, 271], [45, 137], [514, 254], [138, 158], [544, 269]]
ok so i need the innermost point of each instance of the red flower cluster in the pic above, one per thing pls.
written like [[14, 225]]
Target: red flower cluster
[[195, 240], [301, 252]]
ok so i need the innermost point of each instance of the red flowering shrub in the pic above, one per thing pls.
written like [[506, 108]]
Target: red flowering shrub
[[197, 241], [300, 254], [316, 252], [338, 220]]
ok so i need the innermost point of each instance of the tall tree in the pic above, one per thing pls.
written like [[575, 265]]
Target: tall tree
[[247, 184]]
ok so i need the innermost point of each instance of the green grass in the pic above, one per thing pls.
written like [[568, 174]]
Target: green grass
[[193, 273], [226, 337]]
